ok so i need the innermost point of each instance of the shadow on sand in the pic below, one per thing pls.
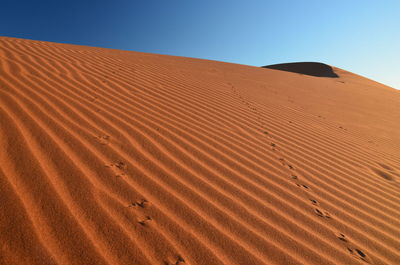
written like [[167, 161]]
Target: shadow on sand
[[305, 68]]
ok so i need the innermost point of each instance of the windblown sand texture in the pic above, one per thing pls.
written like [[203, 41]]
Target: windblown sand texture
[[117, 157]]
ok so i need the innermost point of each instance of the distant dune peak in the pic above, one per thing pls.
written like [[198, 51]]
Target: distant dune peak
[[305, 68]]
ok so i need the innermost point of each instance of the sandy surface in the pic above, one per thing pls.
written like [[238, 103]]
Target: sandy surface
[[116, 157]]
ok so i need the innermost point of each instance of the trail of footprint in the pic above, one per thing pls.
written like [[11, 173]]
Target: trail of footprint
[[274, 146], [145, 221], [306, 188], [280, 156], [119, 168]]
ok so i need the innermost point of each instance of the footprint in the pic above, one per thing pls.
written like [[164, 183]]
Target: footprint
[[120, 165], [178, 261], [342, 237], [323, 214], [314, 202], [103, 139], [142, 203], [302, 186], [294, 177], [319, 213], [144, 221], [350, 250], [118, 168], [283, 162], [358, 254]]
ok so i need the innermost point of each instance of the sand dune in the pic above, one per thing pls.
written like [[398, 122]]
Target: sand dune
[[116, 157]]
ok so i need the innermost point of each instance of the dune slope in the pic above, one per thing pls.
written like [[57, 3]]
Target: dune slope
[[117, 157]]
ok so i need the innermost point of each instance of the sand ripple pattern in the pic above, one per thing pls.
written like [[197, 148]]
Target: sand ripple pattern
[[117, 157]]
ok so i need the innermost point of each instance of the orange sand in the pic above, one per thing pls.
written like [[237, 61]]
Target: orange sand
[[116, 157]]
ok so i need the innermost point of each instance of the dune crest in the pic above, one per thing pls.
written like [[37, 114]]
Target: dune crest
[[117, 157]]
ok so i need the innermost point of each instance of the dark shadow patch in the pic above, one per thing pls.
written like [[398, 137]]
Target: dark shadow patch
[[382, 174], [305, 68]]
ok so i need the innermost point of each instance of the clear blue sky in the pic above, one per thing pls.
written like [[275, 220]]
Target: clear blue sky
[[362, 36]]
